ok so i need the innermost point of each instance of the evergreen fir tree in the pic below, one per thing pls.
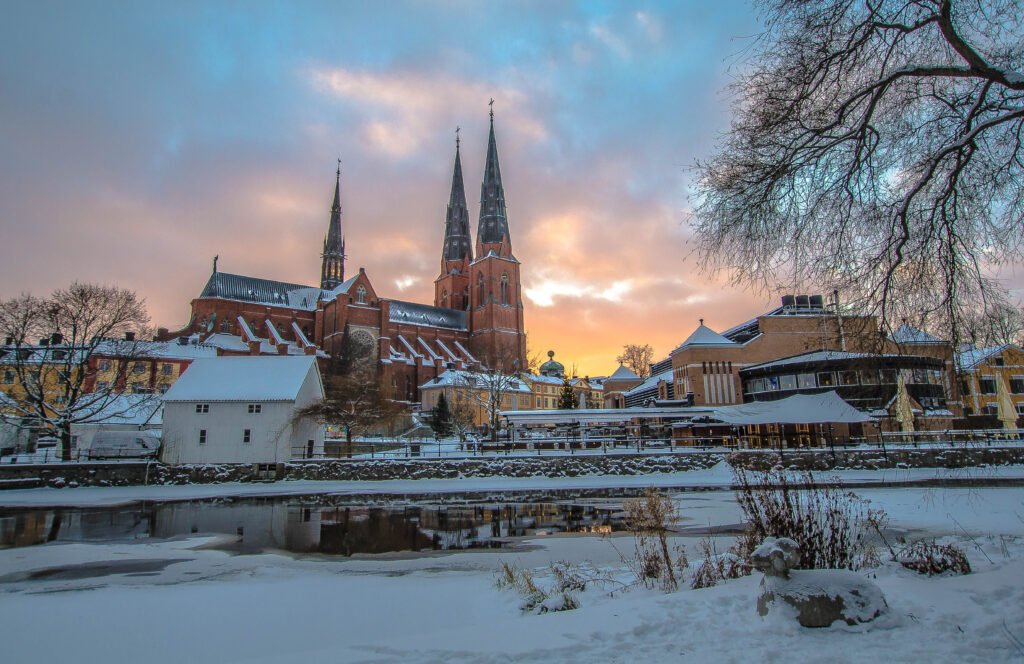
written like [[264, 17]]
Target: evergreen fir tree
[[566, 398], [441, 417]]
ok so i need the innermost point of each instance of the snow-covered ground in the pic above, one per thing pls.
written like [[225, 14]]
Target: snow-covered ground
[[181, 600]]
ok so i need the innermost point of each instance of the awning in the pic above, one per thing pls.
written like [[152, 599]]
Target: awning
[[824, 408]]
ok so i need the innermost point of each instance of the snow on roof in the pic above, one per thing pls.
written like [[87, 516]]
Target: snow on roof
[[259, 378], [261, 291], [623, 373], [816, 357], [651, 382], [705, 336], [479, 379], [969, 359], [541, 378], [798, 409], [907, 334], [340, 289], [130, 409]]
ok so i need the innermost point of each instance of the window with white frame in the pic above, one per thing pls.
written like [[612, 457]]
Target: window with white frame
[[202, 408], [255, 408], [202, 436], [247, 436]]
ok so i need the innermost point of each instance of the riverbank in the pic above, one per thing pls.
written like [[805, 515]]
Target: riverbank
[[717, 477]]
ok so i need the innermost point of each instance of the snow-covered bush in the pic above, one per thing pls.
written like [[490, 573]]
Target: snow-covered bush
[[932, 558], [832, 527], [716, 567]]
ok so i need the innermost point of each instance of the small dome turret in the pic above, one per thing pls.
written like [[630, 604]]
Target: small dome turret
[[551, 367]]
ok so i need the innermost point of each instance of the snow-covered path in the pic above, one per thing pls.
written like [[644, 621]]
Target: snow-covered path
[[196, 604]]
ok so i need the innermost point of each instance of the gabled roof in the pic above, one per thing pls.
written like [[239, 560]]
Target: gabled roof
[[261, 291], [907, 334], [259, 378], [705, 336], [970, 359], [623, 373]]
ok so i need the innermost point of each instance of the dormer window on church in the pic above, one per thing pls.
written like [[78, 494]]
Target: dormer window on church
[[361, 294]]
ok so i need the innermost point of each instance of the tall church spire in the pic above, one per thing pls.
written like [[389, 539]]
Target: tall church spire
[[456, 223], [332, 270], [492, 230]]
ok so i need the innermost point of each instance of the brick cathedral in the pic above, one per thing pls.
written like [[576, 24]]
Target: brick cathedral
[[476, 319]]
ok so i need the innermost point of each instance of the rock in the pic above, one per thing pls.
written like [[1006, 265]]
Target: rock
[[820, 597]]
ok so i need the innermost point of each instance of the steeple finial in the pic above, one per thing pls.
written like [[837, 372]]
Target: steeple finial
[[491, 104], [457, 130]]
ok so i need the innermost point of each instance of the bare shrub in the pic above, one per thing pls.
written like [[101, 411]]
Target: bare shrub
[[559, 595], [650, 519], [831, 526]]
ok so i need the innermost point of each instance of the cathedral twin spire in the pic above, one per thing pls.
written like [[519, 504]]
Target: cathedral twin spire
[[457, 253], [492, 228]]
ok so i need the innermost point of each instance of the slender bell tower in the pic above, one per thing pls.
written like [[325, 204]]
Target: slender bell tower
[[496, 305], [451, 288], [332, 269]]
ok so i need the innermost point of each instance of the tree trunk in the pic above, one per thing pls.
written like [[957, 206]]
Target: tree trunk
[[348, 441], [65, 441]]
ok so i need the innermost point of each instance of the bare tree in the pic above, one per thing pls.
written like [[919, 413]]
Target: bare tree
[[637, 358], [876, 149], [355, 401], [49, 351], [999, 324]]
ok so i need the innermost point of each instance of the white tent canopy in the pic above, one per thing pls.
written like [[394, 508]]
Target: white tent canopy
[[824, 408]]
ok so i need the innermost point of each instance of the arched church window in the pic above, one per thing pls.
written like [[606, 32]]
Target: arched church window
[[361, 295], [504, 288], [480, 287], [444, 297]]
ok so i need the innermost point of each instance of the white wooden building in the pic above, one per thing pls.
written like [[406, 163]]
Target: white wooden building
[[242, 410]]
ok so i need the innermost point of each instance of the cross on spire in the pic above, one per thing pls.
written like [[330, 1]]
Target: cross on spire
[[457, 130], [491, 104]]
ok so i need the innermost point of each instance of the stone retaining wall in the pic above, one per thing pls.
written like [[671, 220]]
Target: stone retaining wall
[[127, 474]]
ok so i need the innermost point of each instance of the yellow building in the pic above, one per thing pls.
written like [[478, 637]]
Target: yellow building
[[474, 396], [981, 370]]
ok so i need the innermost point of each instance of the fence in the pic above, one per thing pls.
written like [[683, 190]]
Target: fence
[[427, 448]]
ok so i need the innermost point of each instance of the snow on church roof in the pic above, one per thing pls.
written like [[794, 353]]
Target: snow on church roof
[[259, 378], [261, 291]]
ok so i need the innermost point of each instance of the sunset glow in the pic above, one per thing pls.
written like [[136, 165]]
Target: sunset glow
[[139, 142]]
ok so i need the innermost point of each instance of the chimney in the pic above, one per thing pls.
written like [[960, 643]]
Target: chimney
[[56, 339], [9, 341], [129, 336], [254, 347], [282, 349]]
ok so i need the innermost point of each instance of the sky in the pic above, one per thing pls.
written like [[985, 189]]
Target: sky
[[138, 140]]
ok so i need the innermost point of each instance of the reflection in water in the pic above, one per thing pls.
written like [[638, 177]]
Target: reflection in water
[[287, 524]]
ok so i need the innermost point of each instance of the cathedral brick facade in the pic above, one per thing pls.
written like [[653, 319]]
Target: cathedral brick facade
[[476, 319]]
